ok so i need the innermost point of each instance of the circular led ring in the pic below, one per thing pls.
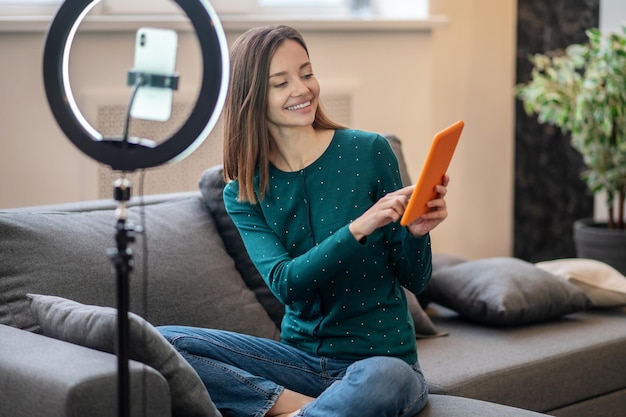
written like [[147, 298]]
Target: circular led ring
[[191, 134]]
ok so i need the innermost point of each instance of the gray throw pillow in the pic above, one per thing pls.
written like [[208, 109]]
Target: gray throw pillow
[[440, 260], [504, 291], [212, 189], [396, 147], [424, 327], [96, 328]]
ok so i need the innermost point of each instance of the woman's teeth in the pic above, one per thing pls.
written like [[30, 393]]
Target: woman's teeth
[[299, 106]]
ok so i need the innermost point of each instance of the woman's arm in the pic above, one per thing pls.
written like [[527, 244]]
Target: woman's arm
[[290, 278]]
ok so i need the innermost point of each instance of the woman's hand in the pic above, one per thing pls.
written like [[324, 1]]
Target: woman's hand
[[391, 207], [438, 211], [387, 210]]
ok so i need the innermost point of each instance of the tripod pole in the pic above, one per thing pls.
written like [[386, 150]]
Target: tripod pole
[[122, 259]]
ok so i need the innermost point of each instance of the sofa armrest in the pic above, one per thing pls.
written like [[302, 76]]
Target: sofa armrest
[[48, 377]]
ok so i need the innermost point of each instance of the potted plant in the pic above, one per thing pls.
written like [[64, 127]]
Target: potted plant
[[582, 90]]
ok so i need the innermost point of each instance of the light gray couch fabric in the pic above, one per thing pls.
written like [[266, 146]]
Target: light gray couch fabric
[[44, 377], [610, 405], [541, 367], [448, 406], [192, 280], [97, 327]]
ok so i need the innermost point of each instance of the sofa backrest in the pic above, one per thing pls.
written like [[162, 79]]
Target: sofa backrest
[[190, 279]]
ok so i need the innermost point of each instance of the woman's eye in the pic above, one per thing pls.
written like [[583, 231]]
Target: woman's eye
[[284, 83], [307, 76]]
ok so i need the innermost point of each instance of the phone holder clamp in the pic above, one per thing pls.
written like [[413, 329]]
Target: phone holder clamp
[[153, 80]]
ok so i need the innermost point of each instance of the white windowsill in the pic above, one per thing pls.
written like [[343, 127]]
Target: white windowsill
[[230, 23]]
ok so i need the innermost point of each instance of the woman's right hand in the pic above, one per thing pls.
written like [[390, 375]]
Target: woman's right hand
[[387, 210]]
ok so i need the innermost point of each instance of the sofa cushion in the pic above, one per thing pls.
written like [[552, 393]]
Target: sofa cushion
[[186, 273], [540, 366], [604, 285], [504, 291], [96, 327], [396, 147], [212, 186], [46, 377], [451, 406], [445, 260], [440, 261], [424, 326]]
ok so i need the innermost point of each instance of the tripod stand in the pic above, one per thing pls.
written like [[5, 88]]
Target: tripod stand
[[132, 154], [122, 258]]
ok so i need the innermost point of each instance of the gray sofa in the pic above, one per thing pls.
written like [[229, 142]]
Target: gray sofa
[[57, 356]]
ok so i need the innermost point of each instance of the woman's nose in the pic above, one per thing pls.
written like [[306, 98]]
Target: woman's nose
[[300, 88]]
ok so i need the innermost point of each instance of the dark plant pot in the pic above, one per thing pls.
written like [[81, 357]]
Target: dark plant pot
[[595, 241]]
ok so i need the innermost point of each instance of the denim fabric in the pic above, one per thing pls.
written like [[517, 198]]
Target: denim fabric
[[245, 375]]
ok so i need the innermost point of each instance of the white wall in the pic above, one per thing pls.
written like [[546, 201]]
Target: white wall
[[474, 58], [612, 14], [411, 84]]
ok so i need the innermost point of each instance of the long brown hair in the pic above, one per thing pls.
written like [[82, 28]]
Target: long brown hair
[[246, 136]]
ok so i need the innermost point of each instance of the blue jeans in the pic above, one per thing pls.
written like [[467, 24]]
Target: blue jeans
[[245, 376]]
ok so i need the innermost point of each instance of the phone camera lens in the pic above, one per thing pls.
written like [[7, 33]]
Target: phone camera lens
[[142, 39]]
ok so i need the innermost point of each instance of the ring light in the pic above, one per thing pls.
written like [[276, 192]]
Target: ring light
[[134, 156]]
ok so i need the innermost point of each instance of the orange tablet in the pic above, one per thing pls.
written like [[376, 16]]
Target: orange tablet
[[435, 167]]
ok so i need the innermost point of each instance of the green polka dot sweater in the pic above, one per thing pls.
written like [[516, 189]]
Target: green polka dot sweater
[[343, 298]]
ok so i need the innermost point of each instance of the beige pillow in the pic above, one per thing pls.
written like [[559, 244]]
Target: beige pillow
[[604, 285]]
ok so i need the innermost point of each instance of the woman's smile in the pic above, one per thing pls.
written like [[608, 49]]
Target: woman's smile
[[300, 106]]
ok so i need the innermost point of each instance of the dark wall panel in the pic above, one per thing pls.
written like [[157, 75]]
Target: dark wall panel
[[549, 194]]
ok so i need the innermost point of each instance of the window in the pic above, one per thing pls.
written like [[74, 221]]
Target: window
[[385, 8], [29, 2], [301, 3], [221, 6], [319, 7], [28, 7]]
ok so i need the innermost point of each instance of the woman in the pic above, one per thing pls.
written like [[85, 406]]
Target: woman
[[317, 206]]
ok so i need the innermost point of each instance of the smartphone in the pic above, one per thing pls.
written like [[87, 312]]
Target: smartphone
[[155, 53]]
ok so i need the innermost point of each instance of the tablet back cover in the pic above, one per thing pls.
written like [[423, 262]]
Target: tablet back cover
[[435, 167]]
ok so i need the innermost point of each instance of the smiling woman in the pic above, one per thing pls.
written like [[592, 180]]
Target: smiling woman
[[316, 205]]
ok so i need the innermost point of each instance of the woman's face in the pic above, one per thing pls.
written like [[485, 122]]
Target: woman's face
[[293, 90]]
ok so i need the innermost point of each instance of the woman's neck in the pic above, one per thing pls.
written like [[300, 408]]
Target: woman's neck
[[295, 150]]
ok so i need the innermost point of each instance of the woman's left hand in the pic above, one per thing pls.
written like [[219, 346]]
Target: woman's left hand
[[438, 212]]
